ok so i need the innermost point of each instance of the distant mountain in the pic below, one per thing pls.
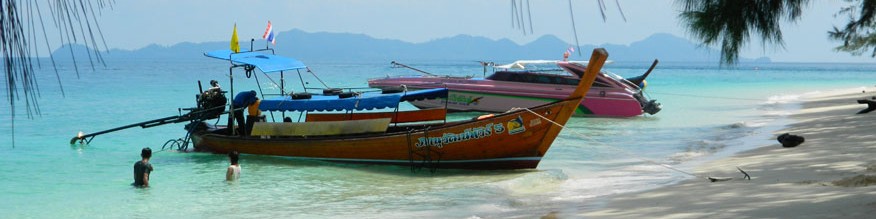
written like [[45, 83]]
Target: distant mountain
[[345, 47]]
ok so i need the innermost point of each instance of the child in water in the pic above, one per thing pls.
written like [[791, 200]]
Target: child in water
[[233, 172]]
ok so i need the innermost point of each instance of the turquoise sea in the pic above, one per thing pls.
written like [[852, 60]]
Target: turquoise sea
[[708, 112]]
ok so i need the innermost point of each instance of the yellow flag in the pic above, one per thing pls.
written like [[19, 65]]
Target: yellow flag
[[235, 47]]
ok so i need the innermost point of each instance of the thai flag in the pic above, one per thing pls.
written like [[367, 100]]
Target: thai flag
[[267, 31], [570, 50], [269, 34], [272, 38]]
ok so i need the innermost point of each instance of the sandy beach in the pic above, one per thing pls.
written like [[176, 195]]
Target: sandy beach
[[831, 175]]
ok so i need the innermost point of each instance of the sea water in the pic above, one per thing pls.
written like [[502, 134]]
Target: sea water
[[708, 112]]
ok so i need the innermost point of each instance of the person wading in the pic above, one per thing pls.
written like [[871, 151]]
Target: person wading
[[233, 172], [142, 169]]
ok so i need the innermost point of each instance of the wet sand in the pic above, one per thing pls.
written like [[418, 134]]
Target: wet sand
[[831, 175]]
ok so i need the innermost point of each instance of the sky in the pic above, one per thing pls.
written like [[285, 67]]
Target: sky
[[135, 24]]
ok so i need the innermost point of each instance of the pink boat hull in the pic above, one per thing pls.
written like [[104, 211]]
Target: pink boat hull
[[612, 99]]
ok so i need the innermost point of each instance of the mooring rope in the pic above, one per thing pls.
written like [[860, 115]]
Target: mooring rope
[[410, 151], [317, 78], [178, 144], [612, 147]]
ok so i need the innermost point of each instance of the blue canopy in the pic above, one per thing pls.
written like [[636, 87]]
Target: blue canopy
[[265, 62], [365, 101]]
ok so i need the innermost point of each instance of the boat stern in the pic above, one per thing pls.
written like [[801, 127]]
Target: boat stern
[[648, 106]]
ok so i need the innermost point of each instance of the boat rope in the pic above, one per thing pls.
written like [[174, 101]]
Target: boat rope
[[394, 63], [317, 78], [705, 96], [612, 147], [602, 10], [248, 69], [574, 29], [529, 14], [259, 84], [181, 144], [424, 152], [175, 144], [410, 151], [262, 93], [269, 78], [621, 10], [427, 149]]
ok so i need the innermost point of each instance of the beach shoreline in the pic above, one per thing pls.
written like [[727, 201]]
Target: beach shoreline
[[825, 177]]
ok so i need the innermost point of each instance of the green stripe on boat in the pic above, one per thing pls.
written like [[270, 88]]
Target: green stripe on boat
[[580, 111]]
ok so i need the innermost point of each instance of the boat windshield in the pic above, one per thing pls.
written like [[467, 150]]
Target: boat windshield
[[538, 78], [613, 75]]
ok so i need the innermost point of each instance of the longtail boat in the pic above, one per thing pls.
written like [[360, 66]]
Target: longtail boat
[[516, 139]]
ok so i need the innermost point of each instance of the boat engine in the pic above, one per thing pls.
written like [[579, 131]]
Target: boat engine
[[648, 106], [651, 107], [212, 104]]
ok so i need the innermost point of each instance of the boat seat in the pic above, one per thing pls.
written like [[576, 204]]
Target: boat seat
[[397, 117], [320, 128]]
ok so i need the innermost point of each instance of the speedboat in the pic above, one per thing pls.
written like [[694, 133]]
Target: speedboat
[[519, 85]]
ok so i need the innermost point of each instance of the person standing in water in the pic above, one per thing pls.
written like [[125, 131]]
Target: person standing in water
[[253, 115], [233, 172], [243, 99], [142, 169]]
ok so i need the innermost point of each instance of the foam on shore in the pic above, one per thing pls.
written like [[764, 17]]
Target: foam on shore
[[825, 177]]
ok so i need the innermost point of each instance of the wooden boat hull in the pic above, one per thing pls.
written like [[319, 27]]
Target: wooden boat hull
[[511, 140], [515, 140]]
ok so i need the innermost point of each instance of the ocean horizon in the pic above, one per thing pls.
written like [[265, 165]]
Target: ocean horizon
[[709, 112]]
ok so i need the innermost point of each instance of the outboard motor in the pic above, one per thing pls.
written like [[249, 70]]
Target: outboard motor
[[212, 104], [651, 107], [648, 106]]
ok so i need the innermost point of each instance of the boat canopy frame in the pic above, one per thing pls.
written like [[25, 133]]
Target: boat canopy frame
[[270, 63], [266, 63], [365, 101]]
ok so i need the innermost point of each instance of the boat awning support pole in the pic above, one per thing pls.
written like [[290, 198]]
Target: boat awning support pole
[[231, 128], [446, 99], [301, 78], [398, 105], [305, 91], [282, 93]]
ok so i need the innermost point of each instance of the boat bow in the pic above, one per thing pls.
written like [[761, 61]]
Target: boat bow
[[597, 60]]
